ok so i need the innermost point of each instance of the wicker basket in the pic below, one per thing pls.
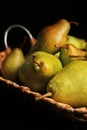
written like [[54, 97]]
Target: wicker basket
[[60, 109]]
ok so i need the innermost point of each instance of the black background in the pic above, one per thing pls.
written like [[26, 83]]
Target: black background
[[16, 113]]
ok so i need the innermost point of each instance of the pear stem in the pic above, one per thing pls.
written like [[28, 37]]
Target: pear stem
[[35, 61], [48, 94], [74, 22], [61, 46]]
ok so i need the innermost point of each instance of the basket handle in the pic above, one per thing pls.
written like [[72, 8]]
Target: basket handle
[[33, 40]]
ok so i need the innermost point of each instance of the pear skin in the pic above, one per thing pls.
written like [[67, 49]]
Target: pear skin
[[38, 69], [12, 63], [69, 85]]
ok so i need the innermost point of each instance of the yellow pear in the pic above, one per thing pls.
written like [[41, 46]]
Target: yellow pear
[[78, 42], [70, 52], [38, 69], [69, 85], [50, 36], [12, 63]]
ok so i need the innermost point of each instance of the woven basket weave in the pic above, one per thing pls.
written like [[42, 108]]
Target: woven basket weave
[[61, 109]]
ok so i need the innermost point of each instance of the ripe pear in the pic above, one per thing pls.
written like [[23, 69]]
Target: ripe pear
[[69, 85], [69, 53], [38, 69], [78, 42], [12, 63], [52, 35]]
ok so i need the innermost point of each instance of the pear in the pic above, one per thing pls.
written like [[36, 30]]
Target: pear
[[52, 35], [78, 42], [12, 63], [69, 85], [38, 69], [69, 53]]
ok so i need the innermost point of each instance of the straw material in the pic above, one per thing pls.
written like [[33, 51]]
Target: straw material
[[60, 109]]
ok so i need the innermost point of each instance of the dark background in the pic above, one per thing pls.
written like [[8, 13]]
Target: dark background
[[37, 14], [14, 111]]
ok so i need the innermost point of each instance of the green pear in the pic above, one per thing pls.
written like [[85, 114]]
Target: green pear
[[38, 69], [12, 63], [78, 42], [70, 53], [69, 85], [50, 36]]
